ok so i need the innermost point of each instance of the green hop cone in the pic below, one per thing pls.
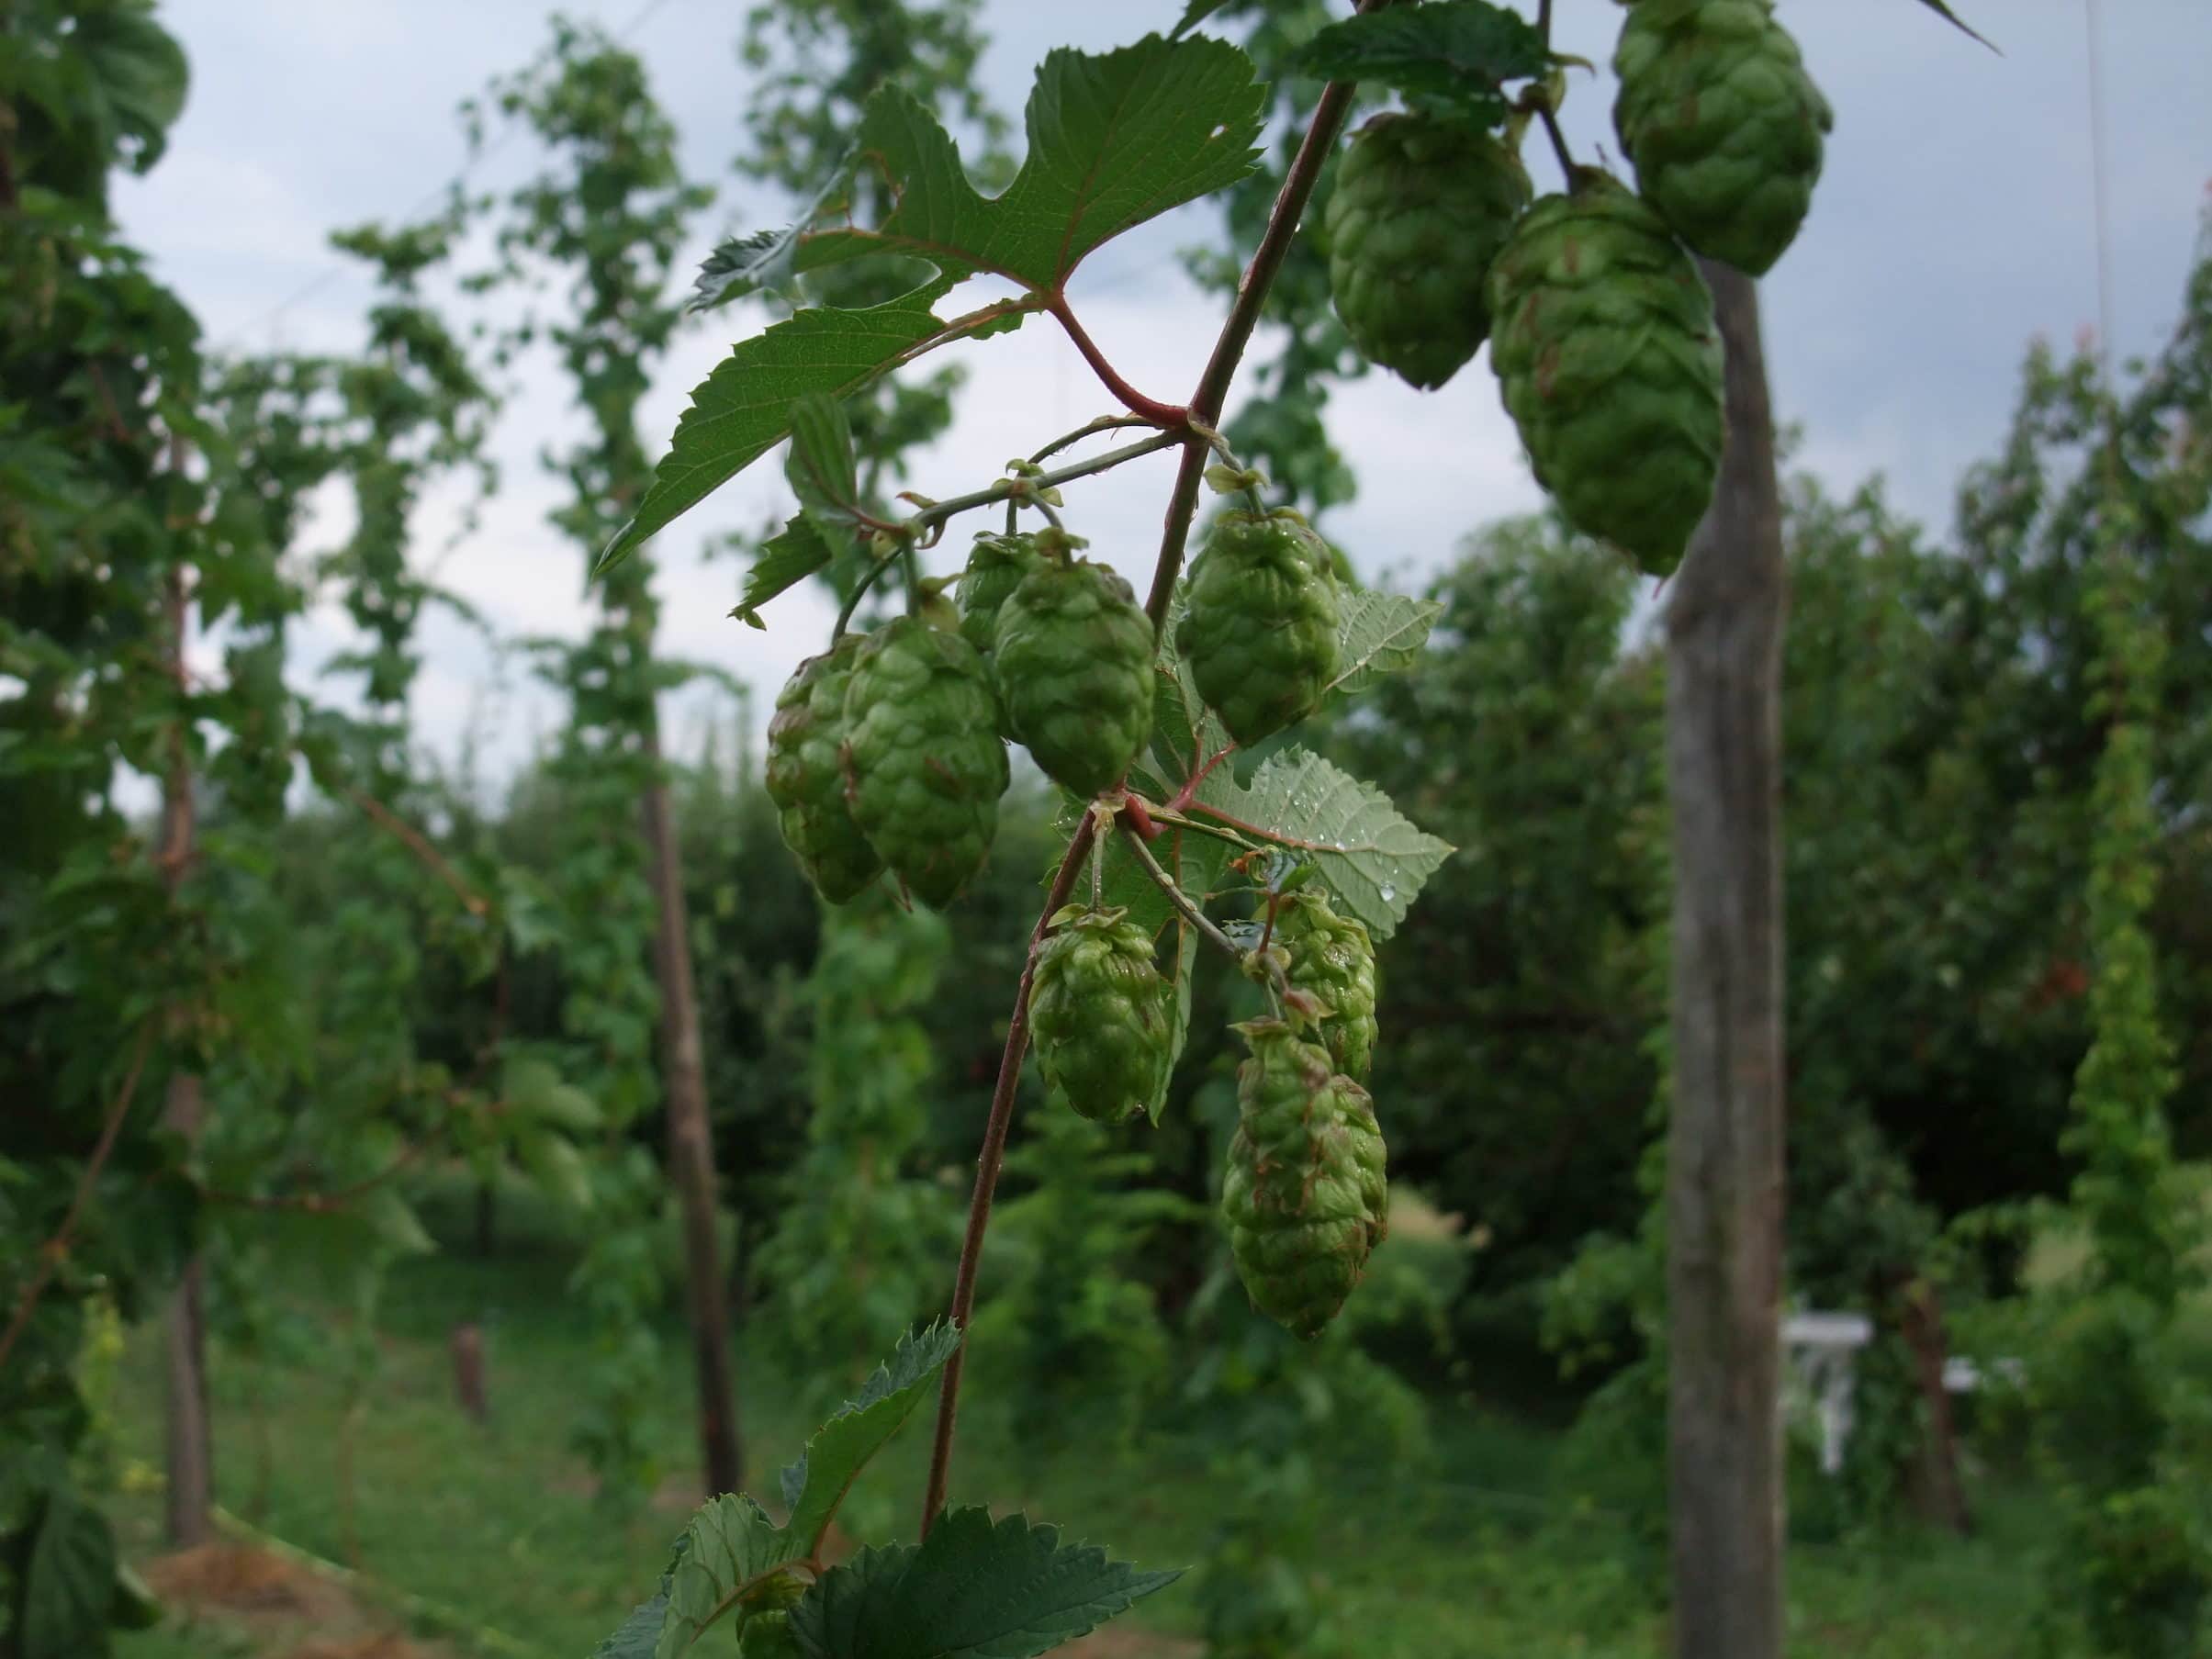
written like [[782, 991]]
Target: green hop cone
[[806, 781], [1259, 624], [1332, 960], [1607, 355], [1722, 122], [1305, 1197], [1099, 1010], [924, 764], [996, 565], [1422, 205], [1073, 660]]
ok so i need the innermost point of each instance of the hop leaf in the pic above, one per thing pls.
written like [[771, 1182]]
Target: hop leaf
[[806, 777], [1607, 359], [924, 764], [1260, 629], [1305, 1197], [1101, 1014], [1422, 205], [1724, 124]]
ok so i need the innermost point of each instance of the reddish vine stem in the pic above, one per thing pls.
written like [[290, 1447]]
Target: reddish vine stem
[[1166, 415], [413, 839], [57, 1248], [987, 1164], [1328, 116], [1205, 410]]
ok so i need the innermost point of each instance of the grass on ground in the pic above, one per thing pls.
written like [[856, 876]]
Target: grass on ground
[[494, 1533]]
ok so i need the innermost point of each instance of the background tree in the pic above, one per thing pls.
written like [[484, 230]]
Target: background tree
[[614, 218]]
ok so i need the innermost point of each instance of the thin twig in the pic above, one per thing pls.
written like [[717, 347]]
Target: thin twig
[[987, 1164], [1104, 424], [1021, 489], [859, 592], [320, 1203], [1545, 112], [1559, 148], [413, 839], [55, 1249], [1186, 906]]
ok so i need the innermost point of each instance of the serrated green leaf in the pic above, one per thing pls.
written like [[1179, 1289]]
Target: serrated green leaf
[[392, 1220], [745, 265], [135, 1607], [974, 1589], [742, 410], [1371, 856], [554, 1164], [1115, 138], [1195, 13], [639, 1636], [1952, 18], [786, 558], [1379, 634], [138, 80], [821, 468], [68, 1582], [859, 1428], [730, 1549], [1458, 53]]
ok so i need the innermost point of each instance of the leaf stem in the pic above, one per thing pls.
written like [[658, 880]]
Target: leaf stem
[[1186, 906], [1013, 489], [860, 591], [1151, 410], [1558, 139], [1543, 99], [987, 1162], [1103, 424]]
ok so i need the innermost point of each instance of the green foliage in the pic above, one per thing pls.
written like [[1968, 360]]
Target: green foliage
[[1115, 139], [858, 1247], [1454, 55], [1073, 1315], [973, 1587]]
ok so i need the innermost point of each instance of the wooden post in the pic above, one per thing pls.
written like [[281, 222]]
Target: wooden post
[[189, 1455], [1724, 1153], [466, 1342], [691, 1142]]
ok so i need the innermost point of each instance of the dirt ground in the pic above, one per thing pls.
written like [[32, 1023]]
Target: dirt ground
[[282, 1609], [277, 1609]]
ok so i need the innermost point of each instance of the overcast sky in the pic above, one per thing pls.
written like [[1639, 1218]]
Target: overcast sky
[[1955, 222]]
